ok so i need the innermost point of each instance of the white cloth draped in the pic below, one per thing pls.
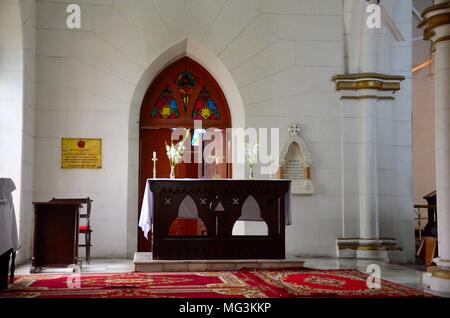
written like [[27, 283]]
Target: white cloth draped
[[188, 210], [145, 220], [9, 238]]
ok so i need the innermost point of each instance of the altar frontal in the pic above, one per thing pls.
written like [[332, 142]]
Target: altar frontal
[[219, 204]]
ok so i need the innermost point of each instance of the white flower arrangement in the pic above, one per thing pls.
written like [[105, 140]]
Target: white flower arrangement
[[174, 153], [251, 154]]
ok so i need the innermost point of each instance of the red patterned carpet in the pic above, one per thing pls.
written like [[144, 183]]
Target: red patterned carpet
[[238, 284]]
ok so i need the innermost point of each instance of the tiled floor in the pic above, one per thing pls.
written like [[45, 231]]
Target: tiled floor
[[402, 274], [96, 266]]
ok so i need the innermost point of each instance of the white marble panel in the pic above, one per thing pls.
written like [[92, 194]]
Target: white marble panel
[[11, 60], [275, 58], [289, 82], [81, 76], [311, 28], [231, 20], [261, 33], [319, 7], [11, 115], [319, 53], [10, 14]]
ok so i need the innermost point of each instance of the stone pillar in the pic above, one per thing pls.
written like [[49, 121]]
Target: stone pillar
[[436, 25], [363, 89], [367, 175], [368, 89]]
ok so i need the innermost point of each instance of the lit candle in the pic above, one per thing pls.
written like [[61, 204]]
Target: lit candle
[[154, 154]]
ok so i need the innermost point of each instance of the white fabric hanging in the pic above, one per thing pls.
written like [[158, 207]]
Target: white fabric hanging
[[8, 227]]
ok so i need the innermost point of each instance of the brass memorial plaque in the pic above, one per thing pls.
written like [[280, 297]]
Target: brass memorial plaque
[[81, 153]]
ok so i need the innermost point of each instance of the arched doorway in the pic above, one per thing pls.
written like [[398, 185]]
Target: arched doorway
[[183, 92]]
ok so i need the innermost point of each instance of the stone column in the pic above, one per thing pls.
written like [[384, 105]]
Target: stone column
[[367, 176], [368, 89], [367, 154], [364, 86], [436, 25]]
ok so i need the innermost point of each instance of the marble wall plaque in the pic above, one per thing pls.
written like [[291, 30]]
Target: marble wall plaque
[[293, 167], [295, 160]]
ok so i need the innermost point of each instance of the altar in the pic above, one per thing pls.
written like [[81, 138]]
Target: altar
[[219, 204]]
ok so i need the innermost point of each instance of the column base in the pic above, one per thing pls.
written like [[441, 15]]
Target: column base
[[437, 278], [385, 249]]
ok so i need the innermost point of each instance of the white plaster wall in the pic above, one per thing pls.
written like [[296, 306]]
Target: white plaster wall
[[11, 93], [281, 56], [28, 11], [290, 81], [17, 76], [400, 63]]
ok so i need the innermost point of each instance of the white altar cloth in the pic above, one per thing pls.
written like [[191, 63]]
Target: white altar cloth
[[188, 208], [8, 227]]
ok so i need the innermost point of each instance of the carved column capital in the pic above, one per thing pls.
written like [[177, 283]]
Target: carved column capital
[[436, 23], [367, 85]]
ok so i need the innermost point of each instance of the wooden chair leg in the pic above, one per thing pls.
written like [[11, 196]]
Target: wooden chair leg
[[88, 247]]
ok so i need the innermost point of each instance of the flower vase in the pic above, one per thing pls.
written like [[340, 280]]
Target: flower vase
[[172, 172]]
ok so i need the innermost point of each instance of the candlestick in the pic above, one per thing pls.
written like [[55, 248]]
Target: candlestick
[[307, 173], [271, 161], [229, 157], [154, 159]]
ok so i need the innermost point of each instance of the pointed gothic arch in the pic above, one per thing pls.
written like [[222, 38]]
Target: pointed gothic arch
[[183, 92]]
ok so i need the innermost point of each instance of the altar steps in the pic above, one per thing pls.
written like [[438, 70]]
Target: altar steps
[[144, 263]]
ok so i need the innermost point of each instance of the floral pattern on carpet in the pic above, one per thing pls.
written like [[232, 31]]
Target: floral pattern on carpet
[[334, 283], [220, 284]]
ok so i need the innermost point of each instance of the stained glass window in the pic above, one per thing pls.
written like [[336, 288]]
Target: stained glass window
[[166, 106], [186, 85], [205, 107]]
